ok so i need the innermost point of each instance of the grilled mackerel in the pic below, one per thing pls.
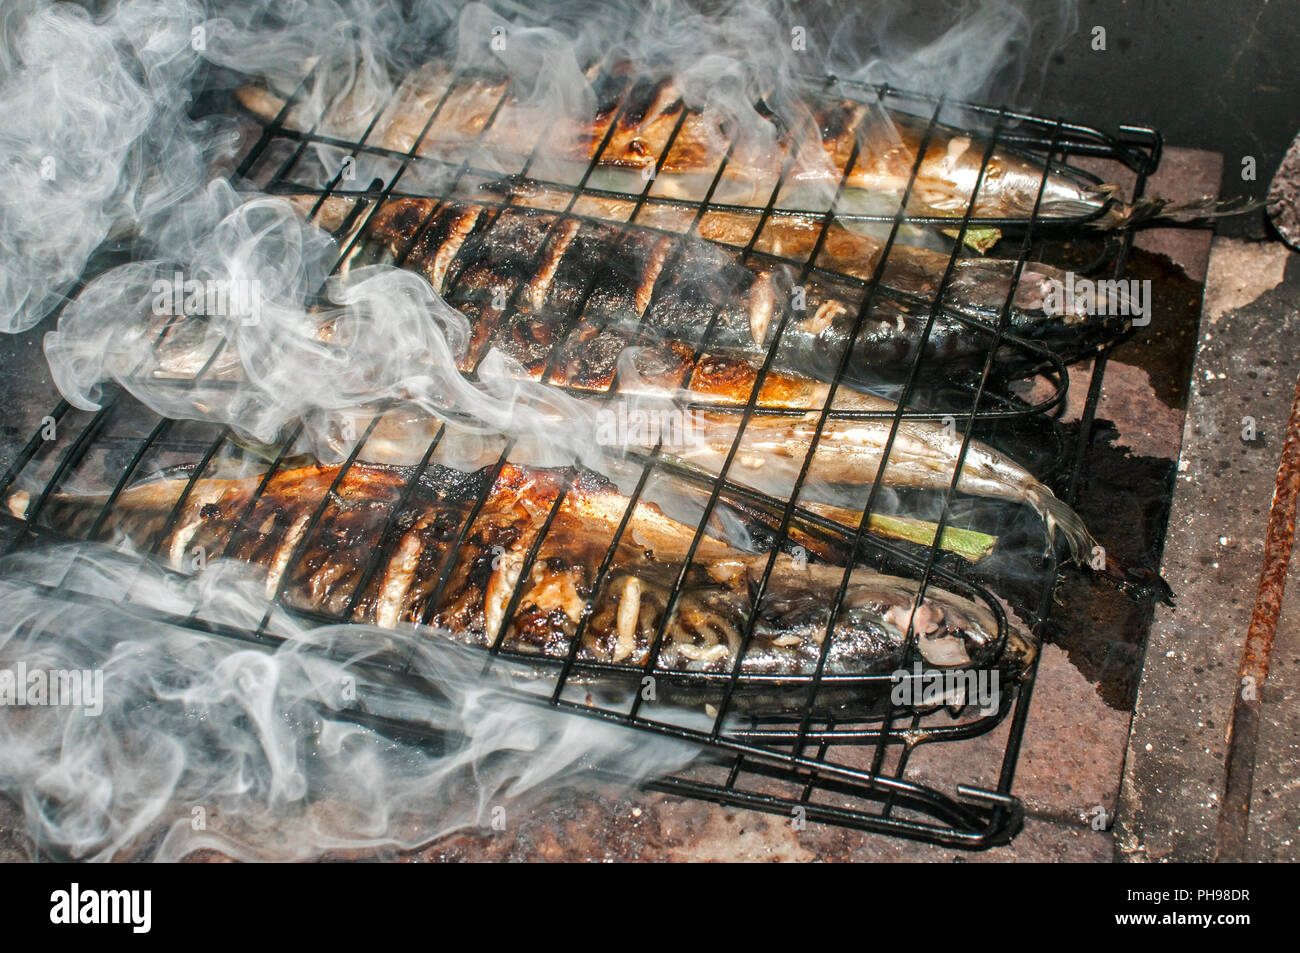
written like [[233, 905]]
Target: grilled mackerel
[[976, 287], [566, 294], [634, 119], [373, 557]]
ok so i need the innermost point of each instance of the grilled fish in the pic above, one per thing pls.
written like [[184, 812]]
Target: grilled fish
[[378, 557], [849, 452], [566, 295], [773, 447], [977, 287], [635, 118]]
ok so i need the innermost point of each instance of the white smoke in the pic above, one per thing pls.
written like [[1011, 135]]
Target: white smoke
[[207, 743], [95, 136], [391, 336], [968, 50]]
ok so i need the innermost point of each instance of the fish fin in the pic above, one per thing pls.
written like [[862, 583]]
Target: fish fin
[[1058, 515]]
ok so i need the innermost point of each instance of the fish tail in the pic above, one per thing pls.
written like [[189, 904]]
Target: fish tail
[[1058, 516], [1154, 210]]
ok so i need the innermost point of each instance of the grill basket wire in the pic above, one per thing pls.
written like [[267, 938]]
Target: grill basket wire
[[851, 773]]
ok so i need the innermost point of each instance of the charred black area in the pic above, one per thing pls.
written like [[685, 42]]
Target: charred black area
[[703, 292], [588, 481], [422, 254], [581, 263], [590, 358], [609, 89], [835, 120], [643, 94], [530, 337], [451, 486], [504, 253]]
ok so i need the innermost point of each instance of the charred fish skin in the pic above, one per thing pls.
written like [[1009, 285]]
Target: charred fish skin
[[545, 290], [566, 296], [910, 280], [329, 569]]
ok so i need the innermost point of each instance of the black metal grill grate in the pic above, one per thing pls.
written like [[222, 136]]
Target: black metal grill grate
[[853, 773]]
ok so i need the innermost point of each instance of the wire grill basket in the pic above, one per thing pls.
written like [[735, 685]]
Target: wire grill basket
[[851, 770]]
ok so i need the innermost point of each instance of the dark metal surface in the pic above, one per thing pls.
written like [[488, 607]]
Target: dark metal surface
[[853, 773]]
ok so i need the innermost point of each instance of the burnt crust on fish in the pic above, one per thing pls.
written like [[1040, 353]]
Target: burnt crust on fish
[[321, 569], [566, 296]]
